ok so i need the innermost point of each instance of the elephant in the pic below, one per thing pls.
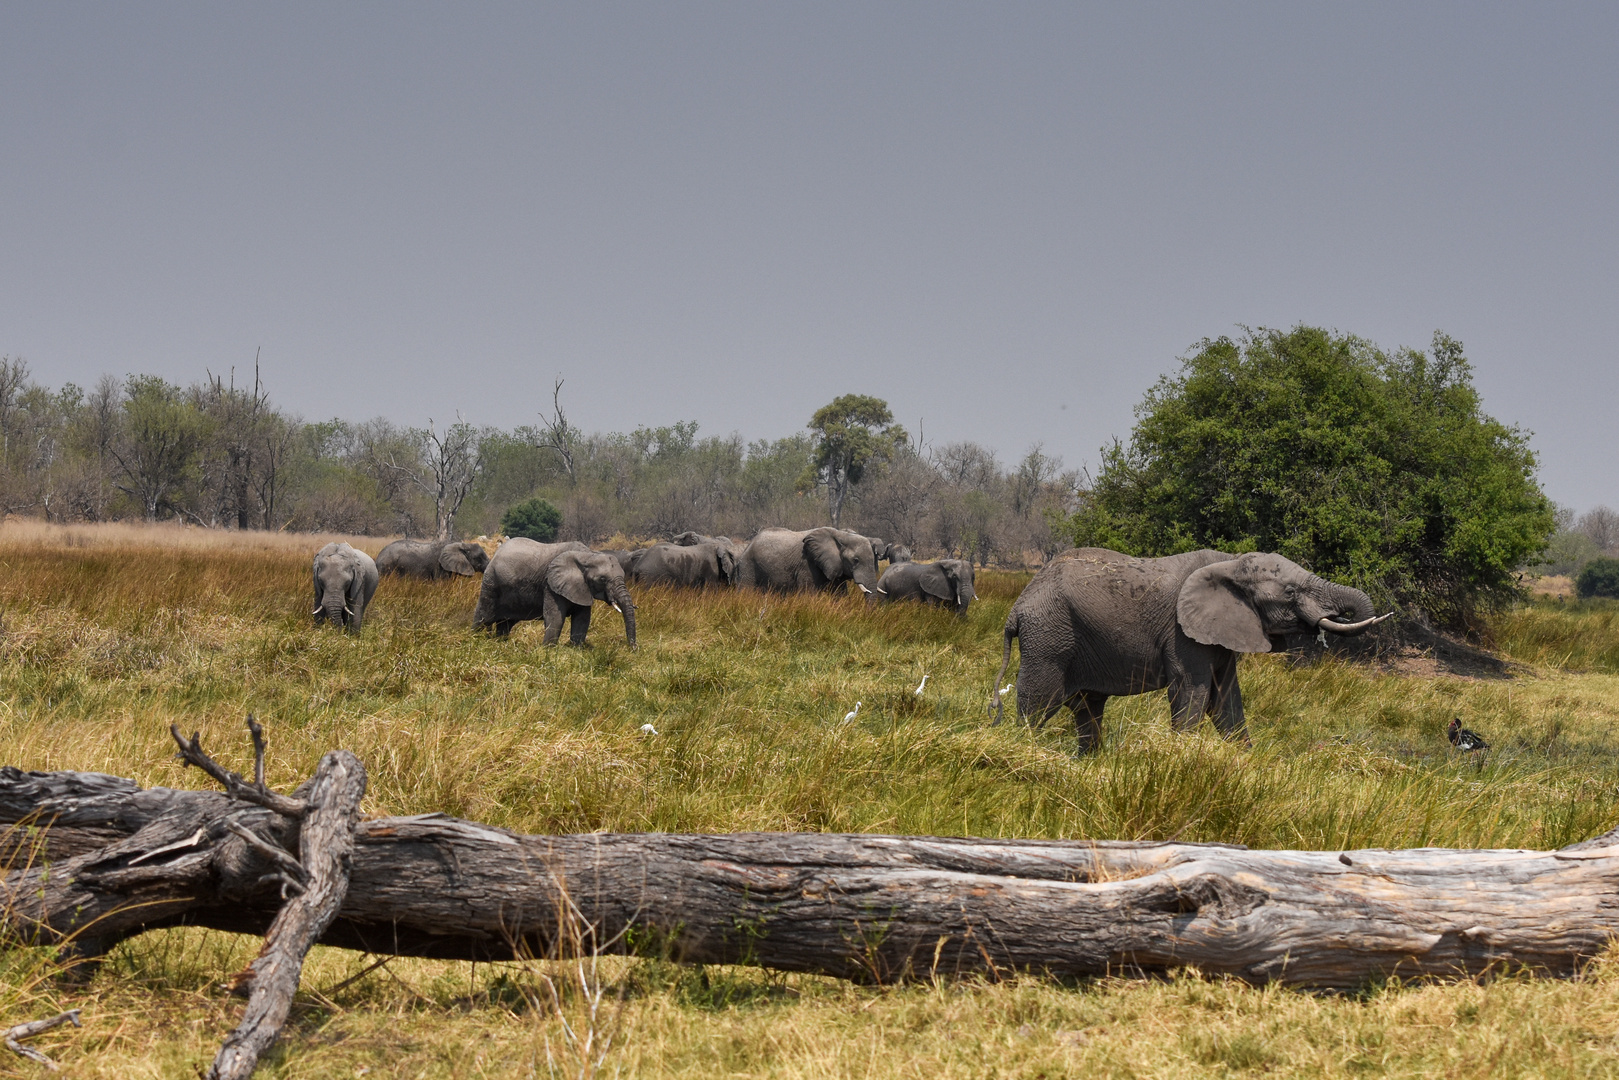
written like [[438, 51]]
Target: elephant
[[625, 558], [948, 582], [697, 565], [1095, 624], [692, 539], [345, 580], [824, 559], [553, 582], [432, 559], [897, 553]]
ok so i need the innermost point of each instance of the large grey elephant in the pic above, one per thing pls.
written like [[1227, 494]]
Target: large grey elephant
[[785, 561], [345, 580], [696, 566], [897, 553], [553, 582], [948, 582], [433, 559], [1094, 624]]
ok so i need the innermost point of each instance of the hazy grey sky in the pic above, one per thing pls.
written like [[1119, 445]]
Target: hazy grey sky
[[1006, 219]]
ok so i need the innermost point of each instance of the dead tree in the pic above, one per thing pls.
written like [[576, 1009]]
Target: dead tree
[[103, 859]]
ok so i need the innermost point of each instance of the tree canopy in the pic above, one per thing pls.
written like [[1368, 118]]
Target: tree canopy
[[851, 433], [1379, 471]]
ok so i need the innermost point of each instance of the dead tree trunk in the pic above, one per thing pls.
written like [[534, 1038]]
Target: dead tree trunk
[[110, 860]]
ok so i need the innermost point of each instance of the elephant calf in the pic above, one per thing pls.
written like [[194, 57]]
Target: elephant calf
[[1094, 624], [948, 582], [345, 580], [432, 559], [696, 566], [554, 582]]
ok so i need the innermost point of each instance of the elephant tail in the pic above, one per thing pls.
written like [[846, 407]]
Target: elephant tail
[[1006, 657]]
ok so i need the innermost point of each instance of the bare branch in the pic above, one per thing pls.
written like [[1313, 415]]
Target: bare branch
[[36, 1027], [191, 753]]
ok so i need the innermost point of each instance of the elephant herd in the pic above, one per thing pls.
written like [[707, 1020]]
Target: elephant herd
[[1092, 624], [559, 583]]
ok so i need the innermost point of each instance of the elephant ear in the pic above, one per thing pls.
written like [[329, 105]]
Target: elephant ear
[[821, 548], [455, 561], [727, 565], [945, 590], [567, 580], [1214, 610]]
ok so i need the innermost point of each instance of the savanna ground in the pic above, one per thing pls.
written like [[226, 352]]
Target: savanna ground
[[113, 633]]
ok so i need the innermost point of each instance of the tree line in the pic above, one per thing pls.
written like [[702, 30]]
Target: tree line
[[221, 454], [1377, 469]]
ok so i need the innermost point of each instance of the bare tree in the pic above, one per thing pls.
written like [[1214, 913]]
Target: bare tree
[[449, 465], [555, 433], [239, 451], [1601, 524]]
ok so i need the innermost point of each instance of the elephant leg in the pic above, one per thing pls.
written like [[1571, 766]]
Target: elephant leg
[[1041, 690], [1226, 703], [551, 613], [579, 626], [1087, 706], [1188, 702], [504, 628]]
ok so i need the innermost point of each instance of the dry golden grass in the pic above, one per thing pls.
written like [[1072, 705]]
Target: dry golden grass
[[111, 637]]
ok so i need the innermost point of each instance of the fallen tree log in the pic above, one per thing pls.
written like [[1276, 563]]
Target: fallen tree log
[[99, 857]]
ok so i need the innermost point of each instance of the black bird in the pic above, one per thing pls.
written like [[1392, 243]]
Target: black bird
[[1465, 740]]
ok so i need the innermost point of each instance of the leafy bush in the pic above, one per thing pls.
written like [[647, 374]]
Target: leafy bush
[[1599, 578], [1374, 470], [534, 518]]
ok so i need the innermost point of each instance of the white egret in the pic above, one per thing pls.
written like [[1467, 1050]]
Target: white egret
[[919, 689], [648, 729], [852, 713]]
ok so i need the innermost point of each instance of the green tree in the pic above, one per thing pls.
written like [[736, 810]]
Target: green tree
[[534, 518], [162, 436], [1599, 578], [852, 433], [1374, 470]]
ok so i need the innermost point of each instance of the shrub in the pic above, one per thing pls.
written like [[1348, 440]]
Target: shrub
[[1599, 578], [1379, 471], [534, 518]]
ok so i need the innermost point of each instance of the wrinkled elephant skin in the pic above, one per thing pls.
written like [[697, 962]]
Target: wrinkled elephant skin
[[554, 582], [1095, 624], [948, 582], [433, 559], [345, 580]]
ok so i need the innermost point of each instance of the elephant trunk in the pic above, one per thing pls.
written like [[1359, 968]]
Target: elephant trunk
[[1345, 610], [333, 604], [626, 606]]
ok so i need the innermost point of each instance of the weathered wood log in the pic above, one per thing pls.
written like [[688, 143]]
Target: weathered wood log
[[122, 860], [320, 877]]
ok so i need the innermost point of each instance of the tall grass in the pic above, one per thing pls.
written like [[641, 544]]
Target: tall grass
[[110, 640]]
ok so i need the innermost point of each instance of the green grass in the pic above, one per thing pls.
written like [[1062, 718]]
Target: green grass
[[108, 644]]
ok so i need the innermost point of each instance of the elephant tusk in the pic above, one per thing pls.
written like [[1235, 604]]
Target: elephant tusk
[[864, 589], [882, 592], [616, 608], [347, 610], [1326, 623], [317, 611]]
